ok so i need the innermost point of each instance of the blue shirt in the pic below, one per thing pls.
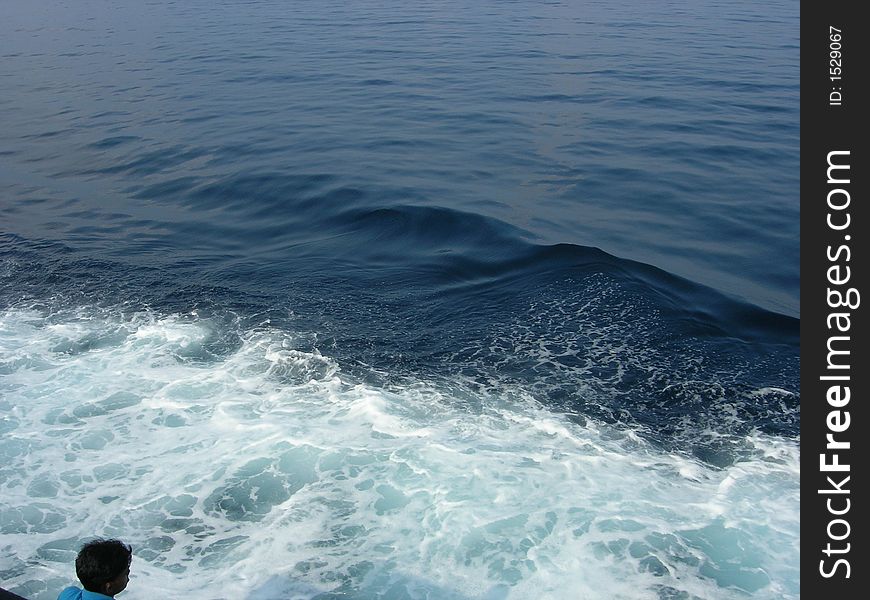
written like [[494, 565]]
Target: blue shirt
[[74, 593]]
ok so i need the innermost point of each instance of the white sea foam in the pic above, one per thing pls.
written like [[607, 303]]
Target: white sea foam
[[265, 473]]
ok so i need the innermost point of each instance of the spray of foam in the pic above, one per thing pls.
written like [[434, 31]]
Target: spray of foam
[[262, 472]]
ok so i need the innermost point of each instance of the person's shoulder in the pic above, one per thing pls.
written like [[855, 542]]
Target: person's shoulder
[[86, 595], [74, 593], [70, 593]]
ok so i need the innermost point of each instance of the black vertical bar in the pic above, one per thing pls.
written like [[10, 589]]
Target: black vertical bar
[[835, 363]]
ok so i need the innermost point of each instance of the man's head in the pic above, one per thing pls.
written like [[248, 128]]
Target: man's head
[[103, 566]]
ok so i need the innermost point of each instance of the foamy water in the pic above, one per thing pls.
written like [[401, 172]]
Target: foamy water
[[259, 469]]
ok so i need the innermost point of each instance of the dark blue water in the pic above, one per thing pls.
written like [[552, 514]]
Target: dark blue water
[[591, 208]]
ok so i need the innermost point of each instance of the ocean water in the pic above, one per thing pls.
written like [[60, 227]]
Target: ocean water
[[401, 300]]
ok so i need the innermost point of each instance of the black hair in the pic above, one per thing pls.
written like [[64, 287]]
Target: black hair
[[100, 561]]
